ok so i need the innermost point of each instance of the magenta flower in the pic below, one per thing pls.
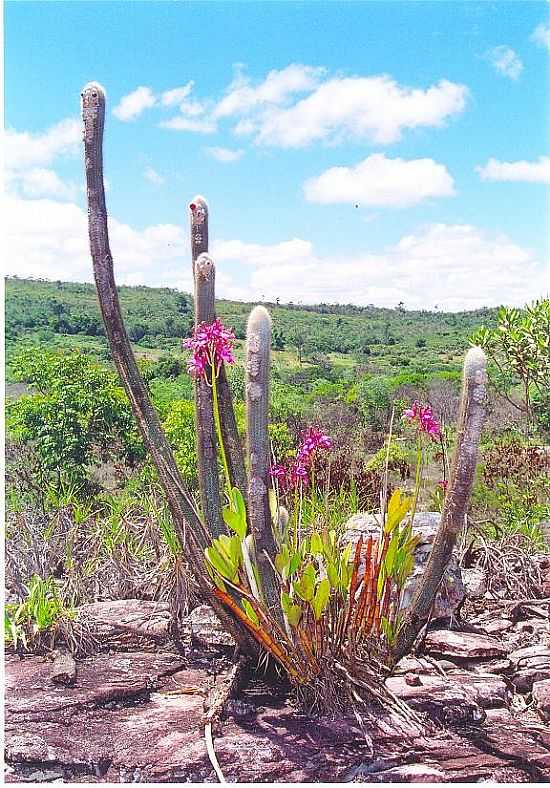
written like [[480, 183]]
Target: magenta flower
[[212, 345], [298, 470], [444, 484], [298, 473], [423, 417]]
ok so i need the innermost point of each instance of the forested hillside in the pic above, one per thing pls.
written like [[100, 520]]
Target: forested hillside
[[66, 314]]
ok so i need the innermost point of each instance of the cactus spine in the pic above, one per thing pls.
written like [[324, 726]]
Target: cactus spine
[[453, 518], [258, 356]]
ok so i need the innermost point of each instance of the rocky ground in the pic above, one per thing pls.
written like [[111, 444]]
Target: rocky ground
[[134, 710]]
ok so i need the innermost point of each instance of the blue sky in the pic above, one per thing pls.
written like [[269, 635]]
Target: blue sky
[[369, 152]]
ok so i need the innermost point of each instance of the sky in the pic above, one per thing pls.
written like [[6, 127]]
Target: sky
[[350, 152]]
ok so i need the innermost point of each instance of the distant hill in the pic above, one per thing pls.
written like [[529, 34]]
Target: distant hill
[[66, 314]]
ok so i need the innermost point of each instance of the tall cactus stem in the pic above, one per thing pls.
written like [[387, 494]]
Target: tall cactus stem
[[207, 464], [198, 212], [190, 531], [258, 353], [453, 518]]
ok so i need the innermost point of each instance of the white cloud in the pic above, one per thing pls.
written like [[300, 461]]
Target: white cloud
[[23, 150], [275, 89], [378, 180], [40, 182], [455, 266], [530, 171], [28, 156], [181, 123], [153, 176], [261, 255], [132, 105], [176, 95], [225, 155], [375, 109], [541, 35], [49, 239], [505, 61]]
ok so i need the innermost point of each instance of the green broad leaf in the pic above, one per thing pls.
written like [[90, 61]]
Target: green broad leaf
[[282, 559], [286, 601], [295, 562], [333, 575], [223, 545], [219, 582], [305, 586], [235, 520], [316, 543], [309, 574], [294, 614], [250, 612], [389, 560], [320, 600], [345, 576], [235, 550], [238, 503], [398, 507], [220, 563], [346, 553]]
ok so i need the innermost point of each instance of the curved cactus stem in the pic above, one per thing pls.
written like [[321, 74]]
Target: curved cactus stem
[[207, 457], [198, 212], [189, 528], [258, 352], [453, 518]]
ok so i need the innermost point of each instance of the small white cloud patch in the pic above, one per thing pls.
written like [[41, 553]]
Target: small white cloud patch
[[381, 181], [225, 155], [528, 171], [132, 105], [506, 62]]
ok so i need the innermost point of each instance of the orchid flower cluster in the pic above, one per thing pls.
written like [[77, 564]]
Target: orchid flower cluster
[[299, 470], [212, 345], [423, 417]]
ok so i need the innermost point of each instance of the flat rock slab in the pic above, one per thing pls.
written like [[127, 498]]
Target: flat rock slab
[[462, 645], [138, 717], [531, 664], [30, 694], [126, 623], [486, 691]]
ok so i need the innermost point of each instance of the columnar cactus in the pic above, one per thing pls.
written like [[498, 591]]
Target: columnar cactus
[[205, 312], [453, 518], [192, 535], [209, 482], [258, 356]]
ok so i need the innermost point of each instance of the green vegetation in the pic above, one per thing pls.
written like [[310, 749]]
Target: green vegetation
[[323, 341], [81, 491]]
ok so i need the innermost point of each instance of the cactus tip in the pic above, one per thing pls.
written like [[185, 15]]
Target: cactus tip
[[198, 201], [475, 360], [94, 87], [259, 315]]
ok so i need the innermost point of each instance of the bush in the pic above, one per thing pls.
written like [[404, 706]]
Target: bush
[[179, 426], [77, 414]]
